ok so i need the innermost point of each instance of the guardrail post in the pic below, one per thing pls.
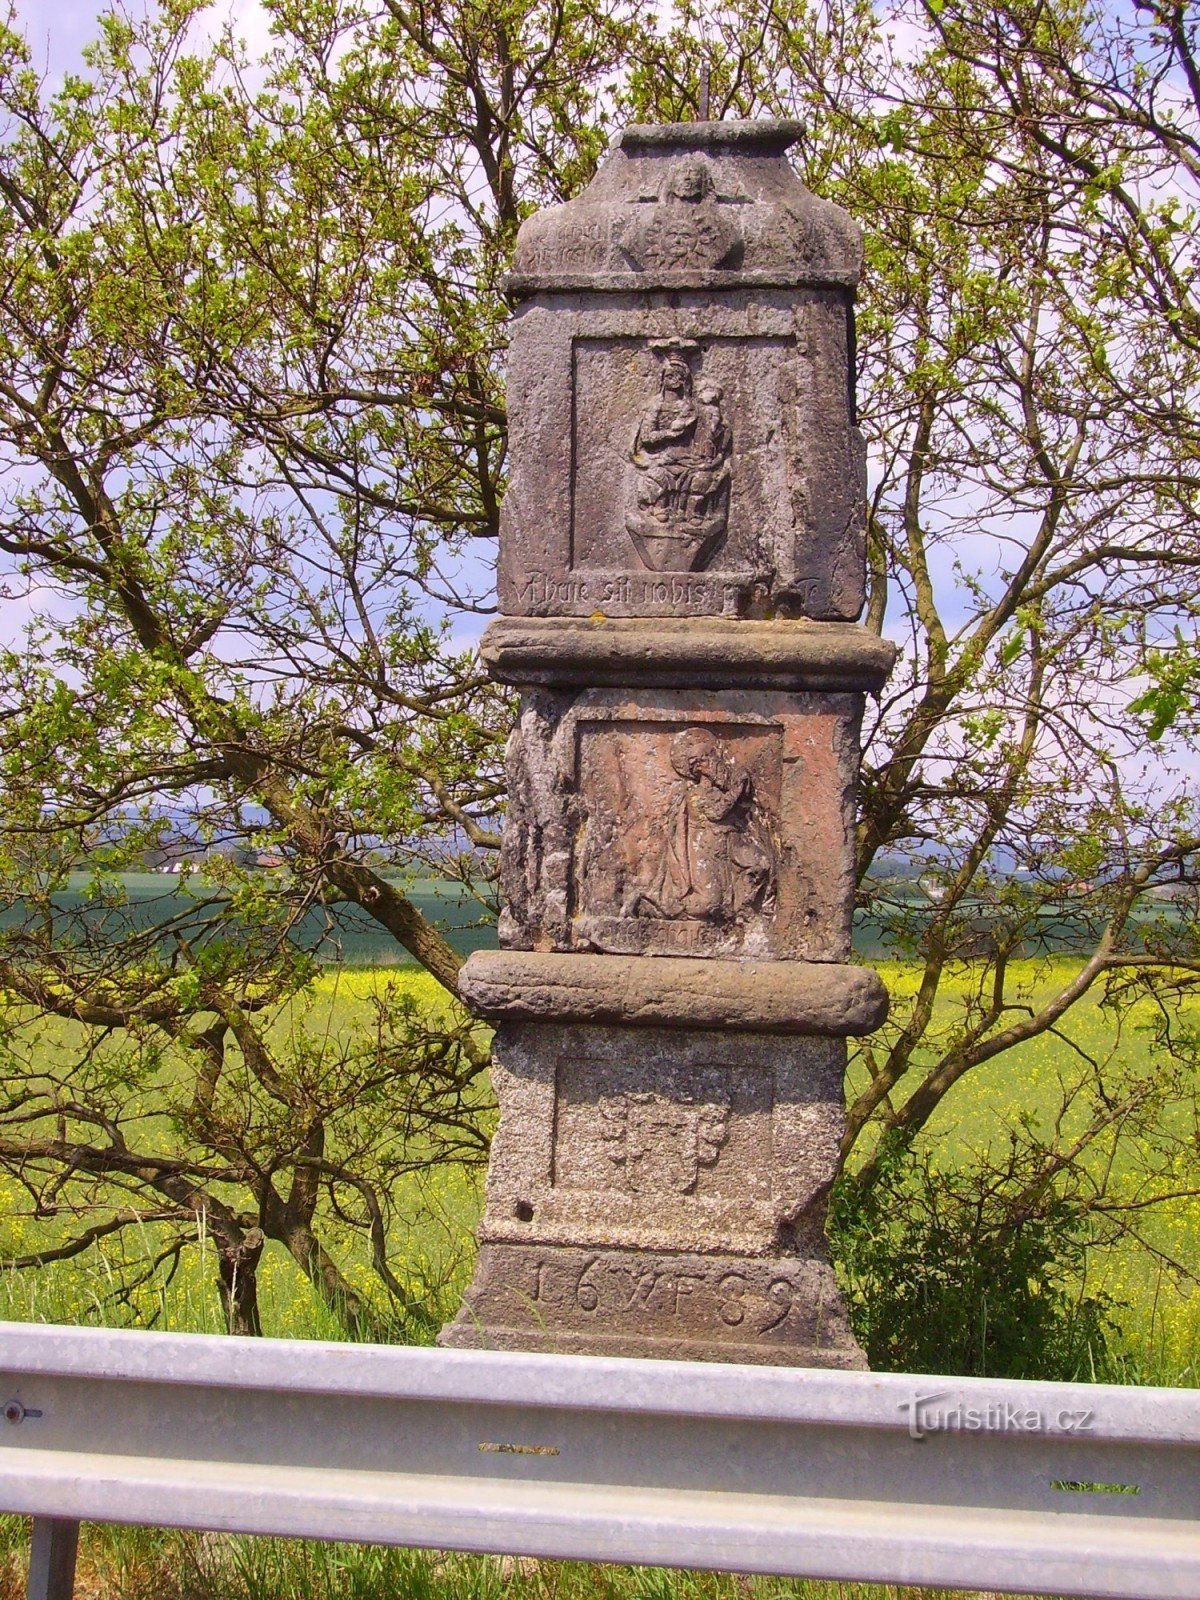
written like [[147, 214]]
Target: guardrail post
[[52, 1559]]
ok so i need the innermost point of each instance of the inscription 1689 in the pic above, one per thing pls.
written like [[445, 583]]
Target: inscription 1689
[[727, 1297]]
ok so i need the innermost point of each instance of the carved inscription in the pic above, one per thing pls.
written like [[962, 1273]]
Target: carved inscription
[[678, 487], [543, 594], [570, 247], [752, 1300]]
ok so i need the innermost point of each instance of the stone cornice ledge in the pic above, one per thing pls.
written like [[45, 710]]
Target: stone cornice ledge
[[669, 652], [799, 997], [772, 134]]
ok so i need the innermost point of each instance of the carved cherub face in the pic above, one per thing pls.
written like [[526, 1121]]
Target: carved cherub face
[[690, 179]]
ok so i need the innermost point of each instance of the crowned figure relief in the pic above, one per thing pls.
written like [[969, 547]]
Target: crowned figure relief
[[678, 502]]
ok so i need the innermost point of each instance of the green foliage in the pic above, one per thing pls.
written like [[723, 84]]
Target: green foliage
[[974, 1270], [402, 1119], [139, 1564], [1174, 681]]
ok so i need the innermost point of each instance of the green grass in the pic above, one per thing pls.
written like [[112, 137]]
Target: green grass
[[432, 1235], [1161, 1319], [153, 1564]]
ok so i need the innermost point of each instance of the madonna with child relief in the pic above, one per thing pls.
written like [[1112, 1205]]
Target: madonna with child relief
[[677, 507]]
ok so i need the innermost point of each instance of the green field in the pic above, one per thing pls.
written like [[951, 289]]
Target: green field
[[440, 1210], [349, 936], [1159, 1308], [1159, 1320], [342, 934]]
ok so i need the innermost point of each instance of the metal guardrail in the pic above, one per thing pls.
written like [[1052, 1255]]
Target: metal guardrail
[[1065, 1489]]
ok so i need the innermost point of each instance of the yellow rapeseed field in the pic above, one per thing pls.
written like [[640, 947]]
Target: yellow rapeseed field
[[1159, 1315]]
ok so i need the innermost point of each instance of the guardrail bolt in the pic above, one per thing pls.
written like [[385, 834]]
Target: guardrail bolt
[[15, 1412]]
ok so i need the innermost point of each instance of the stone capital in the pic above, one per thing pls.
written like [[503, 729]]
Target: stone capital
[[686, 652], [826, 998], [695, 205]]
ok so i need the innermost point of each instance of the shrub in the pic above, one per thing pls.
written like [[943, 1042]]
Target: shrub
[[977, 1270]]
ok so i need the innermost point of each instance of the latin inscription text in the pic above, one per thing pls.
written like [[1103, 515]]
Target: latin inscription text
[[544, 594]]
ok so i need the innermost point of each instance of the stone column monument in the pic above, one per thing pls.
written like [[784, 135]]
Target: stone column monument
[[681, 566]]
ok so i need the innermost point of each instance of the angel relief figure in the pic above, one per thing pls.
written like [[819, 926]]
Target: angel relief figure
[[719, 860], [678, 502]]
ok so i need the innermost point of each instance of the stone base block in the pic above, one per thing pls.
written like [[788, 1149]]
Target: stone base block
[[660, 1140], [660, 1192], [778, 1311]]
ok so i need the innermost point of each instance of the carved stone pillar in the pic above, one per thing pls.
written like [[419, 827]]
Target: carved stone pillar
[[681, 565]]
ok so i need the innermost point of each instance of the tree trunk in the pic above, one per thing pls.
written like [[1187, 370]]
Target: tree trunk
[[356, 1315], [237, 1280]]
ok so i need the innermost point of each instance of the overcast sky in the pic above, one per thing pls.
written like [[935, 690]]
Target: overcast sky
[[57, 30]]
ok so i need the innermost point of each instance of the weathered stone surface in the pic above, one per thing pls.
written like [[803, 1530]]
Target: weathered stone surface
[[795, 997], [682, 552], [681, 822], [683, 455], [668, 1140], [682, 652], [690, 452], [663, 1199], [699, 204], [677, 1307]]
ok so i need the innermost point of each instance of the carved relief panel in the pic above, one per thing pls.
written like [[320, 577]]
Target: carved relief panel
[[702, 1130], [687, 822], [679, 447], [707, 204], [690, 457], [691, 1140], [688, 218], [680, 849], [677, 477]]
